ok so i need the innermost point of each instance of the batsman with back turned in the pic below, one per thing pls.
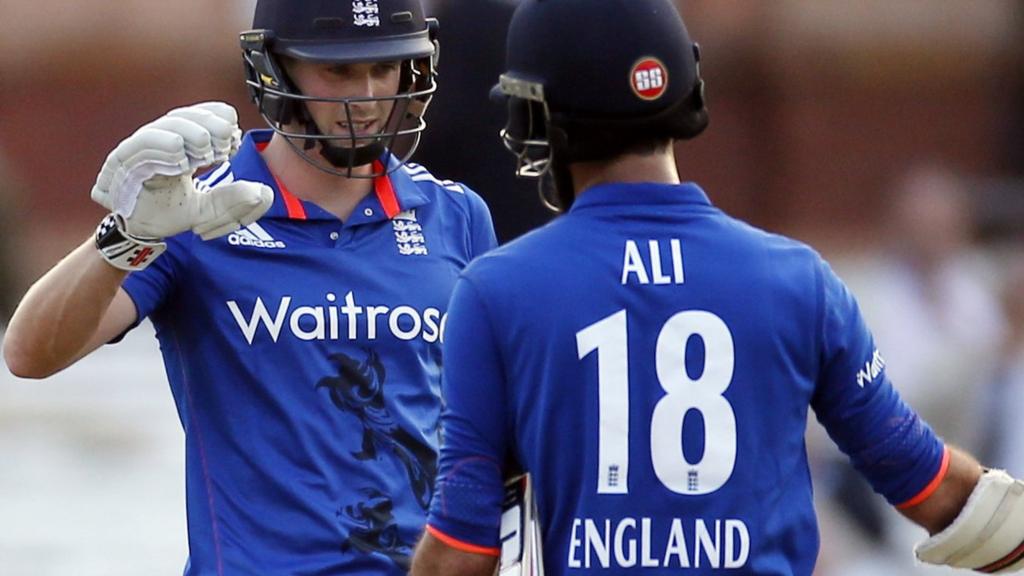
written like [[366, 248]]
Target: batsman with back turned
[[651, 362]]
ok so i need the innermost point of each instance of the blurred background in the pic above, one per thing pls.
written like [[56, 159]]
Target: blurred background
[[889, 134]]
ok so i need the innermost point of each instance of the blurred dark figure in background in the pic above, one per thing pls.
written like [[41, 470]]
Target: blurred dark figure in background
[[1015, 128], [10, 288], [464, 144]]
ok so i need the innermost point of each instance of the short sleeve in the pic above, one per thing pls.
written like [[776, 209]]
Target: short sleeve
[[467, 503], [862, 412], [482, 236], [151, 288]]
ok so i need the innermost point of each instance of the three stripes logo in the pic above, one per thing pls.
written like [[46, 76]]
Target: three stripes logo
[[255, 236]]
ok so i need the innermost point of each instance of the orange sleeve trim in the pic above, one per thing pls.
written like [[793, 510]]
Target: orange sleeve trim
[[463, 546], [932, 486]]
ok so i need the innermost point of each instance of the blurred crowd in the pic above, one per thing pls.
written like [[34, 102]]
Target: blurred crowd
[[946, 312], [907, 174]]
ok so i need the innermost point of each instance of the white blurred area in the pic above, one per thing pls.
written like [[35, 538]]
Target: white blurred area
[[92, 472]]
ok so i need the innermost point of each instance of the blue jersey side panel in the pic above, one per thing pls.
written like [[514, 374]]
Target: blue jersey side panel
[[651, 362]]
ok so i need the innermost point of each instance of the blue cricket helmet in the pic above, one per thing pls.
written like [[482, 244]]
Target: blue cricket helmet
[[346, 31], [342, 32]]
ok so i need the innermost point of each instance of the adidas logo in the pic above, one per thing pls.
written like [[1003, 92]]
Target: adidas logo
[[254, 235]]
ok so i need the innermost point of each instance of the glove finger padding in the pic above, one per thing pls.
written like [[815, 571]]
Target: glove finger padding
[[196, 139], [226, 207], [224, 134], [144, 154], [988, 534], [227, 113]]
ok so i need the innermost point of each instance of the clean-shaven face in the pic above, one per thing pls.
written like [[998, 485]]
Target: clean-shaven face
[[361, 80]]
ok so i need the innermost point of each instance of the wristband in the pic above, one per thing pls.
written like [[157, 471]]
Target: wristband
[[122, 250]]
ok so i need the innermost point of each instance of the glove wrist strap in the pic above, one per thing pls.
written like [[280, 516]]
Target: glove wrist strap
[[124, 251]]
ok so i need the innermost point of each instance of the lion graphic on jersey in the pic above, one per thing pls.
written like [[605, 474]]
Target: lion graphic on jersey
[[375, 529], [358, 388]]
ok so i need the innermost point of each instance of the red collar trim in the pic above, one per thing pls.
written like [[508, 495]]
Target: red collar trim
[[385, 191], [381, 186], [292, 204], [296, 211]]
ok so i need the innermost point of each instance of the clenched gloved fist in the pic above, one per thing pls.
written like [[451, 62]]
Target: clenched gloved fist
[[147, 183]]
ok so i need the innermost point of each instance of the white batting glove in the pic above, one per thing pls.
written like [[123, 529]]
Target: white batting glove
[[988, 534], [147, 180]]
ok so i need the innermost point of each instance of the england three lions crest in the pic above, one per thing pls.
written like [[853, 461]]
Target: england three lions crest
[[366, 13], [409, 234]]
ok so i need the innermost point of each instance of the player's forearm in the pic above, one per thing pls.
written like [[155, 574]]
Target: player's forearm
[[60, 313], [435, 558], [940, 509], [976, 519]]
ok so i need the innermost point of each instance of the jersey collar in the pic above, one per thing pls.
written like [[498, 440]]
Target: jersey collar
[[393, 194], [640, 194]]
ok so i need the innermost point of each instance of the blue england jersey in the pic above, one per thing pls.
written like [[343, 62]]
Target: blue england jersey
[[304, 354], [651, 362]]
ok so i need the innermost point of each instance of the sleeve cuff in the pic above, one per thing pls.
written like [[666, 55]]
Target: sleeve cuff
[[462, 546], [932, 486]]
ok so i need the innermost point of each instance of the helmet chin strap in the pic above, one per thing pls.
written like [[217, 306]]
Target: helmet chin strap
[[340, 157], [345, 159]]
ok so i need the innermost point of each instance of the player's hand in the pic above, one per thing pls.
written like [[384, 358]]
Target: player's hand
[[147, 180]]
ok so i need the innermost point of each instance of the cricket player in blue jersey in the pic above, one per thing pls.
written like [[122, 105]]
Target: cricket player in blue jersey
[[650, 362], [299, 291]]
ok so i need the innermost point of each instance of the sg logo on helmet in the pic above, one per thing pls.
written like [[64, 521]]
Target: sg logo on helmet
[[649, 78]]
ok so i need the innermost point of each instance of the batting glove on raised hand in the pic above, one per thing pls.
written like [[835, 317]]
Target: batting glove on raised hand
[[147, 183]]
